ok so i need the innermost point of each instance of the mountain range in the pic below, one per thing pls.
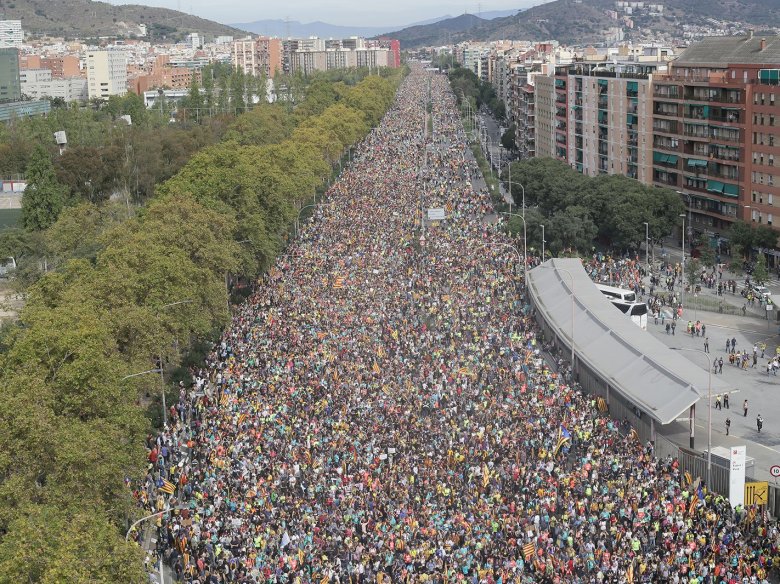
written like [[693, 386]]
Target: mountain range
[[587, 21], [88, 19], [294, 28]]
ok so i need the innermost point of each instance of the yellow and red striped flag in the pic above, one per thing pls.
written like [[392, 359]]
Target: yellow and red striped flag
[[338, 283], [321, 335], [168, 487], [528, 551], [602, 404], [375, 368]]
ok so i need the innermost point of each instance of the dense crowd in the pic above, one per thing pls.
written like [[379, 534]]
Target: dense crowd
[[382, 410]]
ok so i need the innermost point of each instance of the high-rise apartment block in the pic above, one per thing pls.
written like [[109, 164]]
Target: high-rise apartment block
[[11, 34], [106, 73], [716, 133], [260, 56]]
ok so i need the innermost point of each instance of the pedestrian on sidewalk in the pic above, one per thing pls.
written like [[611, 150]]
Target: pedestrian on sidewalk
[[759, 423], [717, 402], [725, 396], [745, 407], [728, 425], [674, 326], [706, 344], [733, 344]]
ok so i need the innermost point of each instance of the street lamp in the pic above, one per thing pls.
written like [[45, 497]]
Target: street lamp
[[509, 245], [525, 241], [647, 244], [162, 369], [682, 292], [543, 240], [709, 411], [152, 516]]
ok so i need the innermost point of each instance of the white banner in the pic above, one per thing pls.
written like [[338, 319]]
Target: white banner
[[737, 475]]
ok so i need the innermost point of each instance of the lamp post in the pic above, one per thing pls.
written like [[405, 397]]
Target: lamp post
[[152, 516], [682, 289], [509, 245], [162, 369], [709, 411], [647, 243], [543, 240], [525, 241]]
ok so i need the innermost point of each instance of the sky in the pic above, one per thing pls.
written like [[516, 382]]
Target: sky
[[346, 12]]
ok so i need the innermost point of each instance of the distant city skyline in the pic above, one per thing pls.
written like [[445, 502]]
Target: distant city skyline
[[343, 12]]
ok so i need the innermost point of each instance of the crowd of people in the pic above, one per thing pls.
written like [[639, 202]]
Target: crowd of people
[[385, 409]]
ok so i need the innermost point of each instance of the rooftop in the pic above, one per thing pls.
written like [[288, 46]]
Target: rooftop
[[725, 50]]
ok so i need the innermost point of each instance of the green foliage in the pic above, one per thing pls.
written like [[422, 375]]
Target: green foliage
[[741, 236], [693, 269], [44, 196], [508, 138], [132, 284], [760, 273], [617, 206]]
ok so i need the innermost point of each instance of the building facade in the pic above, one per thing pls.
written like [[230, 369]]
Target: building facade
[[258, 57], [714, 140], [106, 73], [41, 83], [609, 121], [545, 116], [10, 84], [11, 34]]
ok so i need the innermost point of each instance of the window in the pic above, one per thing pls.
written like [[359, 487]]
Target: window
[[772, 99], [771, 160], [772, 118], [770, 199], [754, 196], [769, 219]]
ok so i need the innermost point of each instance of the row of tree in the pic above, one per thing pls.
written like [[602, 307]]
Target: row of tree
[[135, 290], [576, 210]]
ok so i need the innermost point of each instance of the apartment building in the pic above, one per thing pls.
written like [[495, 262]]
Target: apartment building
[[61, 67], [545, 109], [41, 83], [608, 123], [714, 120], [260, 56], [106, 73]]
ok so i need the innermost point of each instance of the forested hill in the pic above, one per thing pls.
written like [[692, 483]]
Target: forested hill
[[88, 19]]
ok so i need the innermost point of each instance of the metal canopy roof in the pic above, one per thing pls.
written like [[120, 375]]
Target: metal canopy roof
[[647, 373]]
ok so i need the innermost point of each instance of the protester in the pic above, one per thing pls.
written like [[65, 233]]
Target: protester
[[384, 409]]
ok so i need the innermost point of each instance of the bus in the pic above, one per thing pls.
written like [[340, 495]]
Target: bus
[[637, 311], [617, 293], [625, 301]]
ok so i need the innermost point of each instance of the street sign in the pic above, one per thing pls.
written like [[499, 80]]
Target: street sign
[[774, 471], [756, 493], [436, 214]]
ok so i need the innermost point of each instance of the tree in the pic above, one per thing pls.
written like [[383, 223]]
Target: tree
[[765, 237], [44, 196], [693, 273], [760, 273], [707, 256], [508, 138], [741, 236]]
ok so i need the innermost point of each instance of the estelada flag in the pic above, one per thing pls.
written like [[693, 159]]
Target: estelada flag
[[168, 487]]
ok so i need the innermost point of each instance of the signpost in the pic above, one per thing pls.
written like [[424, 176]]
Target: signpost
[[775, 470], [737, 475], [757, 493], [437, 214]]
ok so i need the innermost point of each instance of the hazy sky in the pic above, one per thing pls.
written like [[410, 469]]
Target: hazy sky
[[349, 12]]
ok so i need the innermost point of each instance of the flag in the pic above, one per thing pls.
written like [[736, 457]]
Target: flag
[[223, 400], [602, 404], [168, 487], [395, 335], [563, 437], [380, 352], [375, 368], [630, 573], [692, 506], [485, 475], [338, 283], [285, 540], [634, 434], [241, 419], [528, 551], [321, 335], [688, 478], [464, 371]]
